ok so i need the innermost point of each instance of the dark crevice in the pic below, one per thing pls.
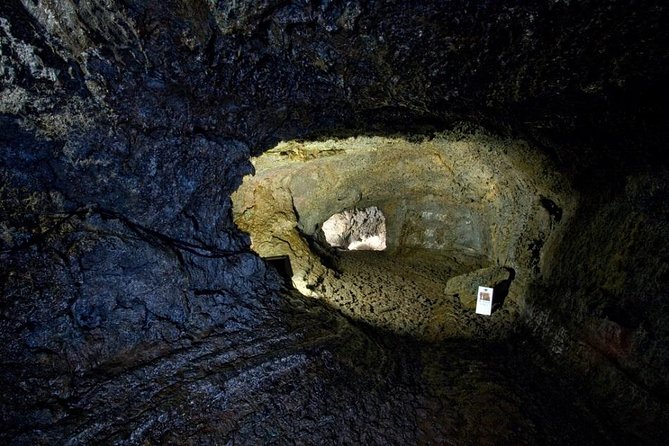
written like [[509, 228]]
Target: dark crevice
[[161, 239], [553, 209]]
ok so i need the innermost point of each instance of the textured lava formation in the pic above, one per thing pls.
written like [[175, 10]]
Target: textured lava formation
[[134, 311]]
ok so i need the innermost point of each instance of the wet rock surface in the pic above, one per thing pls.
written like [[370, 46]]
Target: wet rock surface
[[133, 310]]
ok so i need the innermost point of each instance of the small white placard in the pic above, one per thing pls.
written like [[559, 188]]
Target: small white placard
[[484, 301]]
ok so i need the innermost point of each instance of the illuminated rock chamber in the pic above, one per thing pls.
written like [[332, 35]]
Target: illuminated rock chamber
[[399, 234]]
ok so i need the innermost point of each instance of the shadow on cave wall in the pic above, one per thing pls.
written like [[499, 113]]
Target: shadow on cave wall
[[501, 290]]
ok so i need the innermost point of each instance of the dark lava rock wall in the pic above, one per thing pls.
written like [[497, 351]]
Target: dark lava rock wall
[[126, 125], [601, 303]]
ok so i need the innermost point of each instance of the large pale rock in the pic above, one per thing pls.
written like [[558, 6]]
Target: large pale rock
[[357, 229]]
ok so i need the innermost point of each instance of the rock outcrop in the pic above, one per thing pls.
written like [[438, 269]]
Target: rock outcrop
[[356, 230]]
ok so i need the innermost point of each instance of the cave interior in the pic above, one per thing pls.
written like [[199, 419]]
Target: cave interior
[[266, 222]]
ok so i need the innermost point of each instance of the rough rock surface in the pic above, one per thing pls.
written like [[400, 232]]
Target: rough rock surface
[[465, 286], [132, 310], [454, 204], [356, 230]]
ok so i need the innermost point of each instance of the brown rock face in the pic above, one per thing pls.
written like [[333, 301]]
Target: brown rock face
[[453, 204]]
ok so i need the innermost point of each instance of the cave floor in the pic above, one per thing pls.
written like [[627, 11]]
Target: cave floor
[[323, 378], [405, 292]]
